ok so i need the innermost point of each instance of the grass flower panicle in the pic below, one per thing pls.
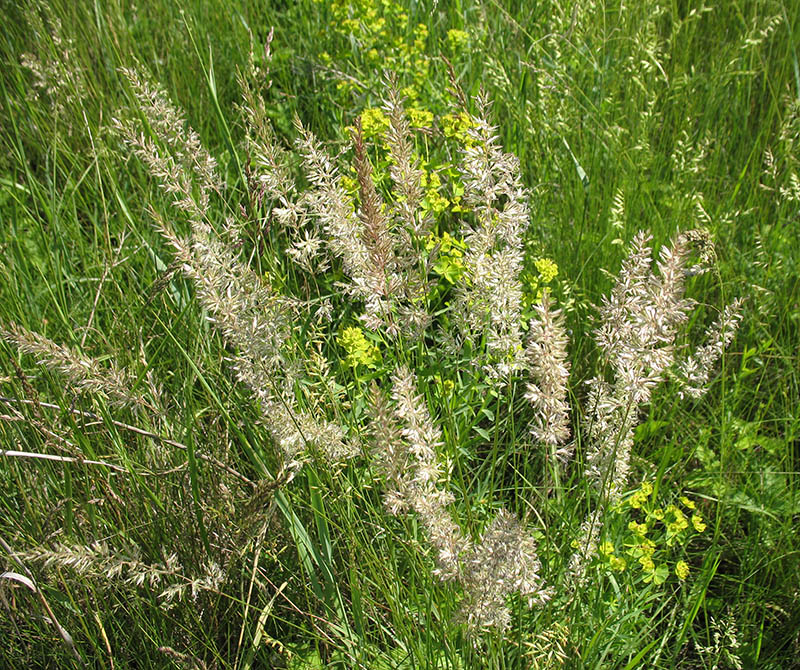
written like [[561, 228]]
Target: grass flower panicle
[[182, 166], [410, 458], [549, 370], [491, 294], [85, 374], [404, 167], [504, 561], [252, 317], [694, 371], [640, 321], [57, 74]]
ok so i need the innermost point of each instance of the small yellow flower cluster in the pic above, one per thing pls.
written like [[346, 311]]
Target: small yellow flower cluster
[[447, 385], [457, 40], [359, 350], [420, 118], [457, 125], [534, 283], [547, 269], [640, 497], [375, 36], [638, 528], [616, 563], [374, 123], [433, 201], [655, 534]]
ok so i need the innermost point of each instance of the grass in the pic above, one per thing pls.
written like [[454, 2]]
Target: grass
[[657, 115]]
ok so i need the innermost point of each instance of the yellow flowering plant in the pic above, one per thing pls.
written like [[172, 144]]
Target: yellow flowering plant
[[360, 351], [655, 537], [371, 37]]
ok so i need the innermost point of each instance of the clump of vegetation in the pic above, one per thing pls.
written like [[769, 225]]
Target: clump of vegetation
[[373, 400]]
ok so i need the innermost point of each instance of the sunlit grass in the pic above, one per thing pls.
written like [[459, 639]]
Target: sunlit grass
[[625, 116]]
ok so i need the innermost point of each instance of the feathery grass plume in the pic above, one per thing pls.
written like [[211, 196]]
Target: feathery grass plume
[[694, 371], [504, 561], [85, 374], [404, 166], [100, 559], [724, 644], [781, 171], [56, 71], [252, 317], [329, 202], [389, 453], [491, 295], [609, 427], [411, 223], [256, 321], [168, 125], [168, 578], [549, 370], [418, 474], [639, 324], [183, 169], [384, 280]]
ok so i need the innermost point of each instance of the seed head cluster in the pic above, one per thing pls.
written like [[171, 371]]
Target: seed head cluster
[[502, 562]]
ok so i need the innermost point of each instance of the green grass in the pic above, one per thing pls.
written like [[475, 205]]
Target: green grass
[[668, 105]]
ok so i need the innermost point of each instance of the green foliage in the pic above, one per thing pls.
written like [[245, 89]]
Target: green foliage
[[624, 115]]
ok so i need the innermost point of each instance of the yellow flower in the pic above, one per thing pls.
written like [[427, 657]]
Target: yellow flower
[[639, 497], [647, 564], [617, 563], [680, 523], [435, 202], [606, 548], [548, 271], [420, 118], [456, 39], [409, 92], [358, 348], [350, 25], [457, 125], [647, 547], [638, 528], [682, 570], [349, 184], [697, 522], [687, 503], [374, 121]]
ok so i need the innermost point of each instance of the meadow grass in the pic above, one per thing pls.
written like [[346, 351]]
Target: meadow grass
[[257, 459]]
